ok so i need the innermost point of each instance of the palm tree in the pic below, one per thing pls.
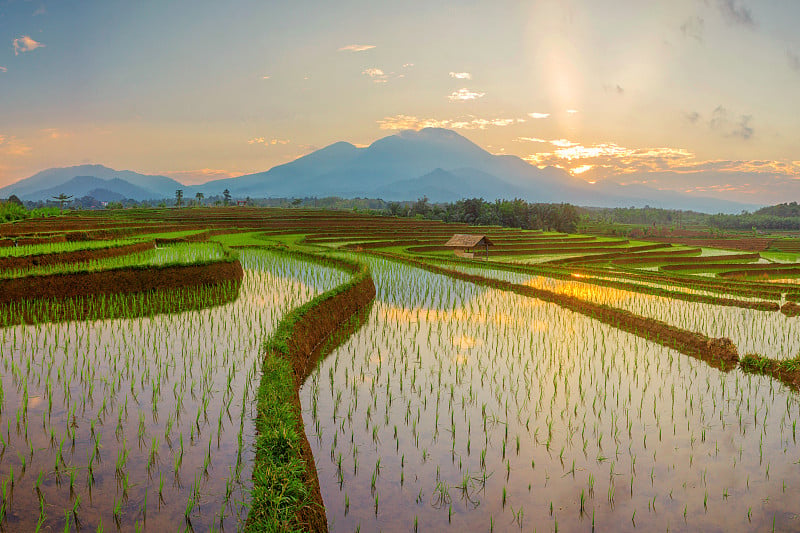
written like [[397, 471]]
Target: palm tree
[[62, 199], [227, 195], [179, 197], [199, 197]]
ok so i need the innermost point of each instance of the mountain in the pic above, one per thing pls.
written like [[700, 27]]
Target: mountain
[[111, 190], [37, 186], [444, 166], [284, 180], [432, 162]]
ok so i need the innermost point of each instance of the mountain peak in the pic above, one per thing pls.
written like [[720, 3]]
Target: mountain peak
[[429, 133]]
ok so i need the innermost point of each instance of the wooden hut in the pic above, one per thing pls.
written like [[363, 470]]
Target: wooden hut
[[465, 245]]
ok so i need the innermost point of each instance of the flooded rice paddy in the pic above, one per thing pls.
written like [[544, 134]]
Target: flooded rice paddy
[[767, 333], [466, 408], [142, 423]]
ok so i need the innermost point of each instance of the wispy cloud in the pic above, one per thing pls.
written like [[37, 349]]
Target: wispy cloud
[[10, 146], [794, 60], [604, 159], [692, 116], [693, 28], [377, 75], [55, 133], [461, 75], [725, 122], [268, 142], [3, 69], [356, 47], [538, 115], [572, 111], [736, 14], [560, 143], [743, 129], [40, 11], [462, 95], [25, 44], [469, 122], [648, 166], [408, 65]]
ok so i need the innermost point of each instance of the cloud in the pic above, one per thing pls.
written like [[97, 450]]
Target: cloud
[[794, 60], [743, 128], [735, 14], [462, 95], [10, 146], [408, 65], [268, 142], [3, 69], [693, 28], [669, 168], [615, 88], [55, 133], [692, 116], [377, 75], [572, 111], [25, 44], [538, 115], [560, 143], [604, 159], [722, 121], [356, 47], [753, 181], [461, 75], [265, 77], [469, 122], [40, 11]]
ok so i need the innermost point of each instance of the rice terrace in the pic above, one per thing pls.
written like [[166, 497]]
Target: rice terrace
[[282, 369]]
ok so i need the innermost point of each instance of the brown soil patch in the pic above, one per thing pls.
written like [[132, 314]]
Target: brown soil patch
[[116, 281], [790, 309]]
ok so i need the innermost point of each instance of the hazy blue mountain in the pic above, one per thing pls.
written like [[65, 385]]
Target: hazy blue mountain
[[442, 186], [283, 180], [432, 162], [104, 195], [160, 186], [112, 190], [444, 166]]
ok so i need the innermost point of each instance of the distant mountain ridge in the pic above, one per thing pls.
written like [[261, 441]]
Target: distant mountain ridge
[[81, 179], [113, 189], [433, 162]]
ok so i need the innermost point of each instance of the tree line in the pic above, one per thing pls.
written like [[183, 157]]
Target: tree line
[[515, 213]]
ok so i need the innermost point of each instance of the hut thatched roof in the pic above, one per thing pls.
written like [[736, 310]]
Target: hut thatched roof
[[465, 240]]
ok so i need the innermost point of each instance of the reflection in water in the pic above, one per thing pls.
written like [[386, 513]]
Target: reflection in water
[[569, 425], [768, 333], [145, 420]]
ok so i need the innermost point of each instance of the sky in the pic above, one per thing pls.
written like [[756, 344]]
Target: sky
[[700, 96]]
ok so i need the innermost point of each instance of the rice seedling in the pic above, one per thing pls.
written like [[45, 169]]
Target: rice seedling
[[134, 379], [543, 387]]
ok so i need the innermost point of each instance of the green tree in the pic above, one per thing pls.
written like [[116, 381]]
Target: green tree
[[199, 197], [62, 199], [227, 195], [178, 197]]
